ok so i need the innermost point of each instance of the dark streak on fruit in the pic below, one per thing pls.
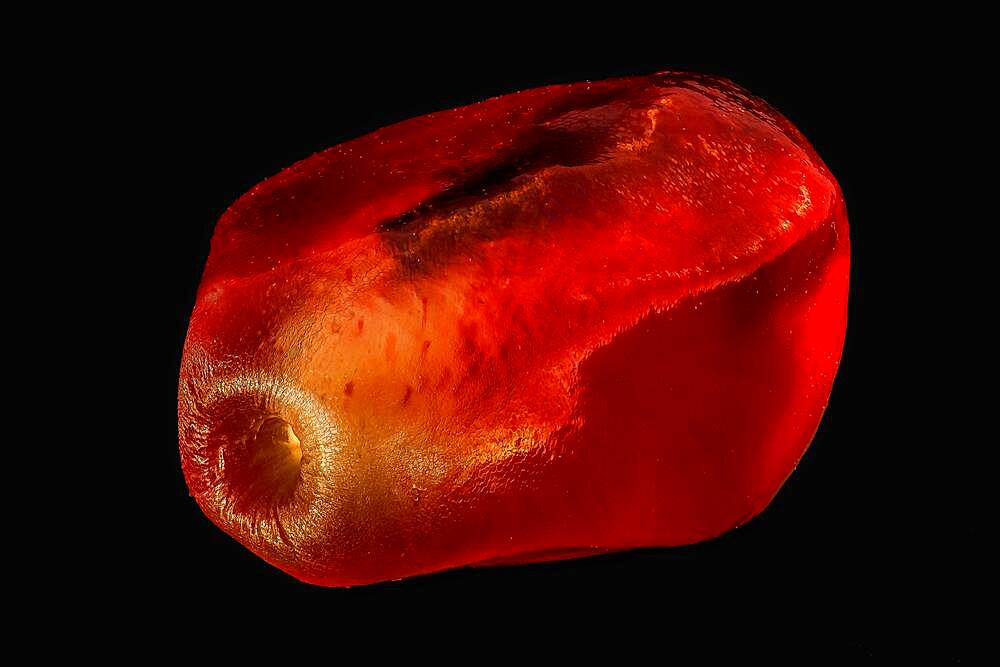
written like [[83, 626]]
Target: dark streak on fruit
[[417, 243]]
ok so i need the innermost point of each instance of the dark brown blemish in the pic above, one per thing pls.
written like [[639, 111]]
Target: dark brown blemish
[[407, 395], [537, 148], [349, 388], [549, 141], [563, 142], [361, 325], [468, 334], [475, 365]]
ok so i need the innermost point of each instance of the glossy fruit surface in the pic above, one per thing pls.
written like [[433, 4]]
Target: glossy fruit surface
[[575, 319]]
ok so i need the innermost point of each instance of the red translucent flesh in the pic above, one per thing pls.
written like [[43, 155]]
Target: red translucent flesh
[[574, 319]]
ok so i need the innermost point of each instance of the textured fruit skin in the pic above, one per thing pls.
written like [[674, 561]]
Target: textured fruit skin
[[574, 319]]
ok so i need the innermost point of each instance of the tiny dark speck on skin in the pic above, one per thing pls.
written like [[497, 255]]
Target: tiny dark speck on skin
[[349, 388], [361, 326], [406, 396]]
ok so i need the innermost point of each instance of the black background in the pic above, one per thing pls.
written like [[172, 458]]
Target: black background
[[850, 547]]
